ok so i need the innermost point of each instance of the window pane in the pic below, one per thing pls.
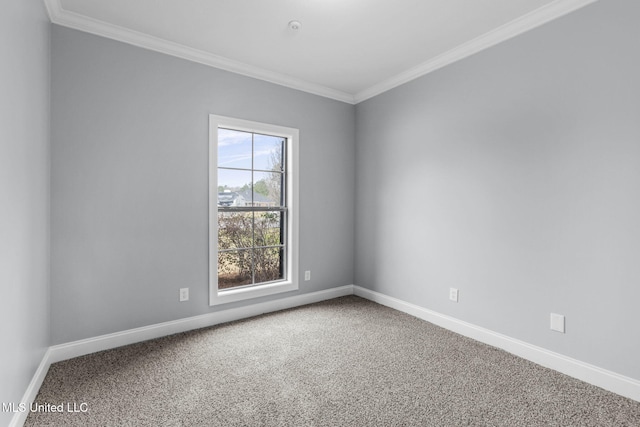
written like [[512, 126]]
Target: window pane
[[267, 152], [234, 149], [234, 187], [235, 230], [267, 229], [267, 188], [234, 269], [268, 264]]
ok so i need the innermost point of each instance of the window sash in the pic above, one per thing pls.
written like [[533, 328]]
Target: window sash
[[282, 170], [252, 209]]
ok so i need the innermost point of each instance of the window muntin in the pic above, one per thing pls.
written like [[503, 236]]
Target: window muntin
[[253, 242]]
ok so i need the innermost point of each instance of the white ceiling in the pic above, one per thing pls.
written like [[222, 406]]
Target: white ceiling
[[348, 50]]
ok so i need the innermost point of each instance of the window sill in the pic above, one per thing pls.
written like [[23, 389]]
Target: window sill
[[233, 295]]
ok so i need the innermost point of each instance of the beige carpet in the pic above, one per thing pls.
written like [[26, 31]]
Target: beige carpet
[[344, 362]]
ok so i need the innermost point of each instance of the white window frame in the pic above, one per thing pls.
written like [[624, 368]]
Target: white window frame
[[223, 296]]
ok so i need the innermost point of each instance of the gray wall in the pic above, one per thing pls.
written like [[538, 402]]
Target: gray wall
[[514, 175], [24, 195], [130, 182]]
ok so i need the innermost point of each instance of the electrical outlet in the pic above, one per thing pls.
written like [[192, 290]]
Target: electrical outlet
[[453, 294], [557, 322], [307, 275], [184, 294]]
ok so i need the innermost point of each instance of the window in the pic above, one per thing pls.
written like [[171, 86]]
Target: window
[[253, 215]]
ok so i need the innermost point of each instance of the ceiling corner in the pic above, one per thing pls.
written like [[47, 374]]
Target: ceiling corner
[[550, 11], [53, 9]]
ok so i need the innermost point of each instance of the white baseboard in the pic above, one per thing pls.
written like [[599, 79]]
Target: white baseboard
[[32, 390], [105, 342], [616, 383]]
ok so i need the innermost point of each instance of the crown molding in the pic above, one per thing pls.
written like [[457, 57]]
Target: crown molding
[[62, 17], [505, 32]]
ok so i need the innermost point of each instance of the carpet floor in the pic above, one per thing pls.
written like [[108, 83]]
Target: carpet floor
[[343, 362]]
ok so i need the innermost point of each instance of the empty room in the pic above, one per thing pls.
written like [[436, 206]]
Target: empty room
[[320, 213]]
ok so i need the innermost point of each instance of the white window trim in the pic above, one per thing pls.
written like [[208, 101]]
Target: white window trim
[[224, 296]]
